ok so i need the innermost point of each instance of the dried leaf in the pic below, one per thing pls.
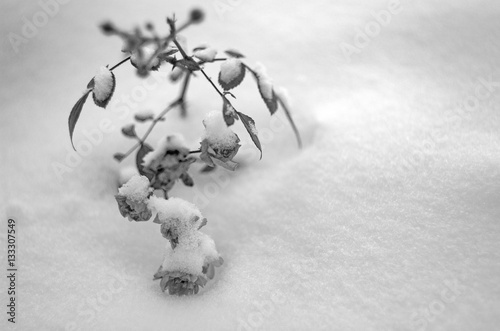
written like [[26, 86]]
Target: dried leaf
[[119, 157], [144, 116], [204, 156], [129, 131], [75, 114], [145, 149], [249, 124]]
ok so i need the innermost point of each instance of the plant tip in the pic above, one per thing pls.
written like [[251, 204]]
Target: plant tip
[[197, 15]]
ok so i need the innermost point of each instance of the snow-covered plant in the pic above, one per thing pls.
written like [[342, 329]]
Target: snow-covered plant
[[190, 255]]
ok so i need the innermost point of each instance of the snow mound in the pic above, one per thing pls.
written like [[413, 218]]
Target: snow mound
[[217, 133], [136, 189]]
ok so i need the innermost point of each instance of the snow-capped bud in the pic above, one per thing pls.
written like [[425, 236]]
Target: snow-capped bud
[[103, 86]]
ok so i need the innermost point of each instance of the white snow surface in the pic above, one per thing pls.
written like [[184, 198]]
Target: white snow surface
[[387, 219], [103, 84]]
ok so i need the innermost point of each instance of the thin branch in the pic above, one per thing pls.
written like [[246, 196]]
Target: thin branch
[[120, 63]]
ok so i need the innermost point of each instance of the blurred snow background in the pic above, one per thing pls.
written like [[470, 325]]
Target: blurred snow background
[[388, 219]]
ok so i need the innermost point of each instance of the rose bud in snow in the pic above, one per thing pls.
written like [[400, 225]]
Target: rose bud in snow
[[103, 86], [219, 141], [168, 162], [132, 199]]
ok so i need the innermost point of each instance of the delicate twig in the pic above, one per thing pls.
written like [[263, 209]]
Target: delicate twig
[[120, 63], [183, 94], [153, 123], [196, 151]]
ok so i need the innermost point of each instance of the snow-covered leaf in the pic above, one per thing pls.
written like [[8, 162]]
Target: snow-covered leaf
[[249, 124], [232, 73], [229, 113], [234, 53], [205, 54], [104, 86], [129, 131], [75, 114], [266, 89]]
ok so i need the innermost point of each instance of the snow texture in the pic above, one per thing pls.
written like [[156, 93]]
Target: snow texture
[[126, 173], [230, 70], [191, 259], [168, 143], [207, 54], [217, 133], [136, 189], [103, 84], [387, 219]]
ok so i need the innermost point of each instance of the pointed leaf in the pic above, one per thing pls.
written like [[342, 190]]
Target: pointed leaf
[[189, 64], [284, 105], [249, 124], [234, 53], [232, 73], [207, 168], [75, 114], [145, 149], [266, 90]]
